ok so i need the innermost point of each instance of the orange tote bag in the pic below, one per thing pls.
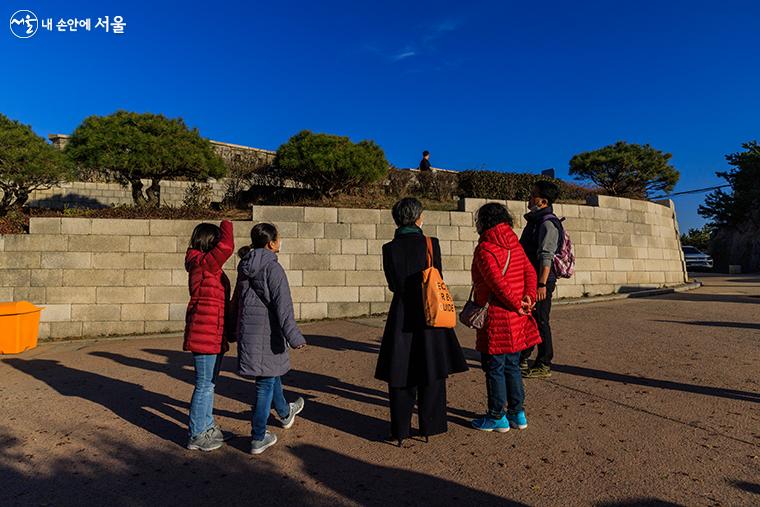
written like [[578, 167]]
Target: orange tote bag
[[436, 299]]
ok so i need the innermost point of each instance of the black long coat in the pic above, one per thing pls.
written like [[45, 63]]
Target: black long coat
[[412, 353]]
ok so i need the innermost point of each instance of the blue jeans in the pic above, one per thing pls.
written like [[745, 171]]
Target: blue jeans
[[202, 404], [504, 383], [268, 393]]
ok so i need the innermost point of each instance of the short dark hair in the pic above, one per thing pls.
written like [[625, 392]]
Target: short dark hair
[[205, 237], [547, 190], [425, 153], [406, 211], [262, 234], [492, 214]]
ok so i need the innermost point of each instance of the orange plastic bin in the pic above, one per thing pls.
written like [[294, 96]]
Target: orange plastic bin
[[19, 326]]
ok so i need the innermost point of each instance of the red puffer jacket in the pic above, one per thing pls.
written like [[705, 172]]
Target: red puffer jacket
[[506, 331], [209, 295]]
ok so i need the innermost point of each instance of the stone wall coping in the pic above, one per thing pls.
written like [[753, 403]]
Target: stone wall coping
[[243, 147]]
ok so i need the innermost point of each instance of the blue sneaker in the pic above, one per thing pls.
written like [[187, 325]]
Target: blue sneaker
[[488, 424], [518, 420]]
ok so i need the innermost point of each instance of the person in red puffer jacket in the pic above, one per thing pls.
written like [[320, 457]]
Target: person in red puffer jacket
[[205, 323], [503, 278]]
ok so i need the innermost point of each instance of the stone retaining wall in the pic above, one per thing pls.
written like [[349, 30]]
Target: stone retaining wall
[[102, 276], [82, 194], [96, 195]]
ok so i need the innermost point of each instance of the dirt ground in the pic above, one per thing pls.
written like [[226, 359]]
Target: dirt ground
[[653, 401]]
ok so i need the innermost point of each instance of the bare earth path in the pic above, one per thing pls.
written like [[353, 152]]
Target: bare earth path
[[653, 401]]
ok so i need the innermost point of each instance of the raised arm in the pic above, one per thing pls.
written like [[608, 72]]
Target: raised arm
[[214, 259], [488, 264]]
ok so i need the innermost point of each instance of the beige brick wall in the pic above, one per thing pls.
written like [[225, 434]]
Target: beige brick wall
[[94, 195], [100, 277]]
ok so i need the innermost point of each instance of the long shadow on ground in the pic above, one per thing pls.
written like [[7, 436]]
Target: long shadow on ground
[[125, 399], [712, 323], [177, 364], [714, 298], [137, 405], [657, 383], [132, 475]]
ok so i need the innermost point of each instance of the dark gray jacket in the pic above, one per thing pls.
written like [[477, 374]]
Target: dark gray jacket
[[266, 324]]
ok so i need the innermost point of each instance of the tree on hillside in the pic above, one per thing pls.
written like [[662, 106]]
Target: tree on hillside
[[134, 146], [330, 164], [626, 170], [742, 202], [27, 163]]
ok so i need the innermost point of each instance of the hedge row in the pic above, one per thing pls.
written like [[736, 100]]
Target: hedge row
[[514, 186], [444, 186]]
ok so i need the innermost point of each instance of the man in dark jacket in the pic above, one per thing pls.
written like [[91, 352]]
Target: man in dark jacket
[[425, 162], [541, 241], [414, 359]]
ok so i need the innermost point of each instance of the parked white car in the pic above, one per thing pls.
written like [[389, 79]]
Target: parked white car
[[696, 259]]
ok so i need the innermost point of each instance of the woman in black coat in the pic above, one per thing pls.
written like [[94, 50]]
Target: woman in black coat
[[414, 359]]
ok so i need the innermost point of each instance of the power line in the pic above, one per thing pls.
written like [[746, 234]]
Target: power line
[[696, 191]]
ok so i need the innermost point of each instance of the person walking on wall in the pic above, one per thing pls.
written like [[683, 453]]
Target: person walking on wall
[[425, 162], [414, 359], [541, 240]]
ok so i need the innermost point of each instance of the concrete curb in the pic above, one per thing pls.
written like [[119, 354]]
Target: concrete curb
[[561, 302], [695, 284]]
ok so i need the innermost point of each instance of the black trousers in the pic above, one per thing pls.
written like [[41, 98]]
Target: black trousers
[[431, 408], [542, 313]]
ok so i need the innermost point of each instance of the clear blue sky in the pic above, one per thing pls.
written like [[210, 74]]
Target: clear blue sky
[[506, 85]]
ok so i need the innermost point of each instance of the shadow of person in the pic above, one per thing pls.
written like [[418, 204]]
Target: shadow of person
[[125, 399], [242, 390], [712, 323], [370, 484], [719, 392], [116, 471], [304, 380], [353, 422], [640, 502], [750, 487], [709, 298], [340, 344]]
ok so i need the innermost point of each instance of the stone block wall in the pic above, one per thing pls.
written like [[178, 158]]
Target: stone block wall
[[96, 195], [83, 194], [103, 277], [620, 244]]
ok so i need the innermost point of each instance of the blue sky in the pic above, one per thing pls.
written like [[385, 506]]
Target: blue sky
[[517, 86]]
